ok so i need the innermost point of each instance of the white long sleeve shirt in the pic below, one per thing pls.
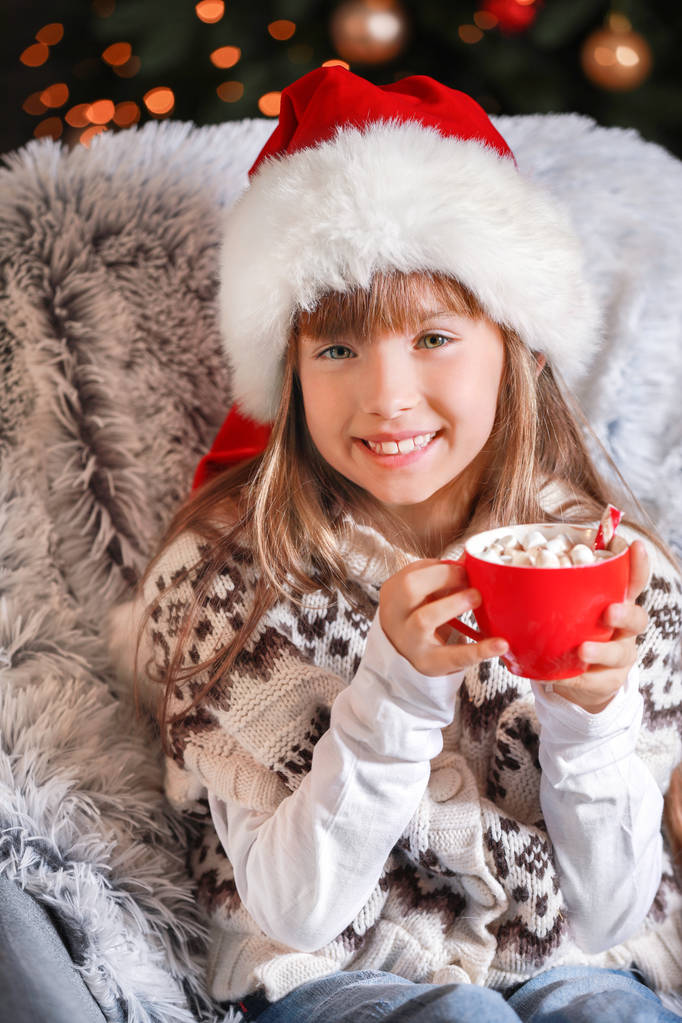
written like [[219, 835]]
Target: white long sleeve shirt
[[306, 870]]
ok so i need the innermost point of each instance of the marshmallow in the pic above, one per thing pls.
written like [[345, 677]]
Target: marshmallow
[[534, 539], [492, 554], [558, 544], [521, 558], [546, 559], [581, 555]]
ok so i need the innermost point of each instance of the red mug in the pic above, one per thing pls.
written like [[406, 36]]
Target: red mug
[[544, 613]]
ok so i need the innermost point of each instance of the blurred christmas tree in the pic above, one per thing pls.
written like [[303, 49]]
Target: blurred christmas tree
[[86, 67]]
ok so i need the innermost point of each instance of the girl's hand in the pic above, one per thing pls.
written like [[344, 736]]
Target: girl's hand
[[415, 606], [607, 664]]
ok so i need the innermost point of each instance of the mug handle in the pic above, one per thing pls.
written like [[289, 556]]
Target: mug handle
[[466, 630]]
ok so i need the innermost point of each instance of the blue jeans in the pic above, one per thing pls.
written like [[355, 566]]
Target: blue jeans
[[565, 994], [38, 981]]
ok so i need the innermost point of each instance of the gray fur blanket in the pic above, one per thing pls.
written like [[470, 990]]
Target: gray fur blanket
[[113, 387]]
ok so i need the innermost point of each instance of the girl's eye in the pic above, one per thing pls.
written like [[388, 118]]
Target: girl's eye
[[434, 341], [336, 352]]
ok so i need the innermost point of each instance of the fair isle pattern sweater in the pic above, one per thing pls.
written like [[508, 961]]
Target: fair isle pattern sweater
[[471, 891]]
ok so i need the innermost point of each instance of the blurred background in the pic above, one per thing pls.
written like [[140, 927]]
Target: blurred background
[[75, 68]]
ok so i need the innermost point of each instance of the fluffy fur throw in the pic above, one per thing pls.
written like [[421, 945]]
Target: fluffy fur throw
[[113, 386]]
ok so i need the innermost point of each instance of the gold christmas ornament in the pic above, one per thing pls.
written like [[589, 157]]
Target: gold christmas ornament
[[615, 57], [369, 31]]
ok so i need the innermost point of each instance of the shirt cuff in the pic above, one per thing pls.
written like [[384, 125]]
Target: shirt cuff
[[575, 743], [427, 694], [567, 721], [398, 711]]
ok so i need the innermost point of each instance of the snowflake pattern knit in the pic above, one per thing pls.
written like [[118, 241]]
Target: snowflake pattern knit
[[471, 891]]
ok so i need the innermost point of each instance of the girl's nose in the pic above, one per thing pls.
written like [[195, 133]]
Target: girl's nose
[[389, 384]]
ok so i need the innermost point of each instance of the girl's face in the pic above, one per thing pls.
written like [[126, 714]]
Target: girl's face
[[404, 414]]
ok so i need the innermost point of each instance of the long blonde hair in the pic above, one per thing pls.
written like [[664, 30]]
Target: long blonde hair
[[291, 510]]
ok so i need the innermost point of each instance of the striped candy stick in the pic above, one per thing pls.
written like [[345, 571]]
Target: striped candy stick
[[607, 527]]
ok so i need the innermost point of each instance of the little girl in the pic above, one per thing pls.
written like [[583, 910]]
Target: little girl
[[395, 827]]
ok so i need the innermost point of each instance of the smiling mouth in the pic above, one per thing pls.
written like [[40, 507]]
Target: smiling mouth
[[400, 447]]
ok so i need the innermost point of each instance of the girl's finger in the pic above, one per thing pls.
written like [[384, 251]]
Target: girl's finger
[[639, 570], [419, 582], [445, 660], [620, 653], [628, 619], [431, 615]]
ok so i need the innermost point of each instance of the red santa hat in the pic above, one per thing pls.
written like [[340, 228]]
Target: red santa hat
[[358, 178]]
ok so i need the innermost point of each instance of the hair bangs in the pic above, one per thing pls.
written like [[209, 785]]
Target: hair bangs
[[393, 301]]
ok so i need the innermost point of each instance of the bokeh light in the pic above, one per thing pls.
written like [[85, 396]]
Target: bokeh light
[[77, 116], [100, 112], [51, 127], [470, 33], [55, 95], [159, 101], [51, 34], [34, 105], [230, 92], [129, 69], [270, 103], [226, 56], [89, 134], [282, 29], [485, 20], [369, 31], [126, 113], [615, 57], [117, 54], [35, 55], [104, 8], [210, 11]]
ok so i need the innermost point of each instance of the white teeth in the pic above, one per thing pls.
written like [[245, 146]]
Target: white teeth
[[392, 447]]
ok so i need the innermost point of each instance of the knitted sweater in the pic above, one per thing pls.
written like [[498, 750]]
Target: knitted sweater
[[471, 891]]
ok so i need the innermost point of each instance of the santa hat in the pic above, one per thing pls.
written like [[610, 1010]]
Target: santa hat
[[358, 178]]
